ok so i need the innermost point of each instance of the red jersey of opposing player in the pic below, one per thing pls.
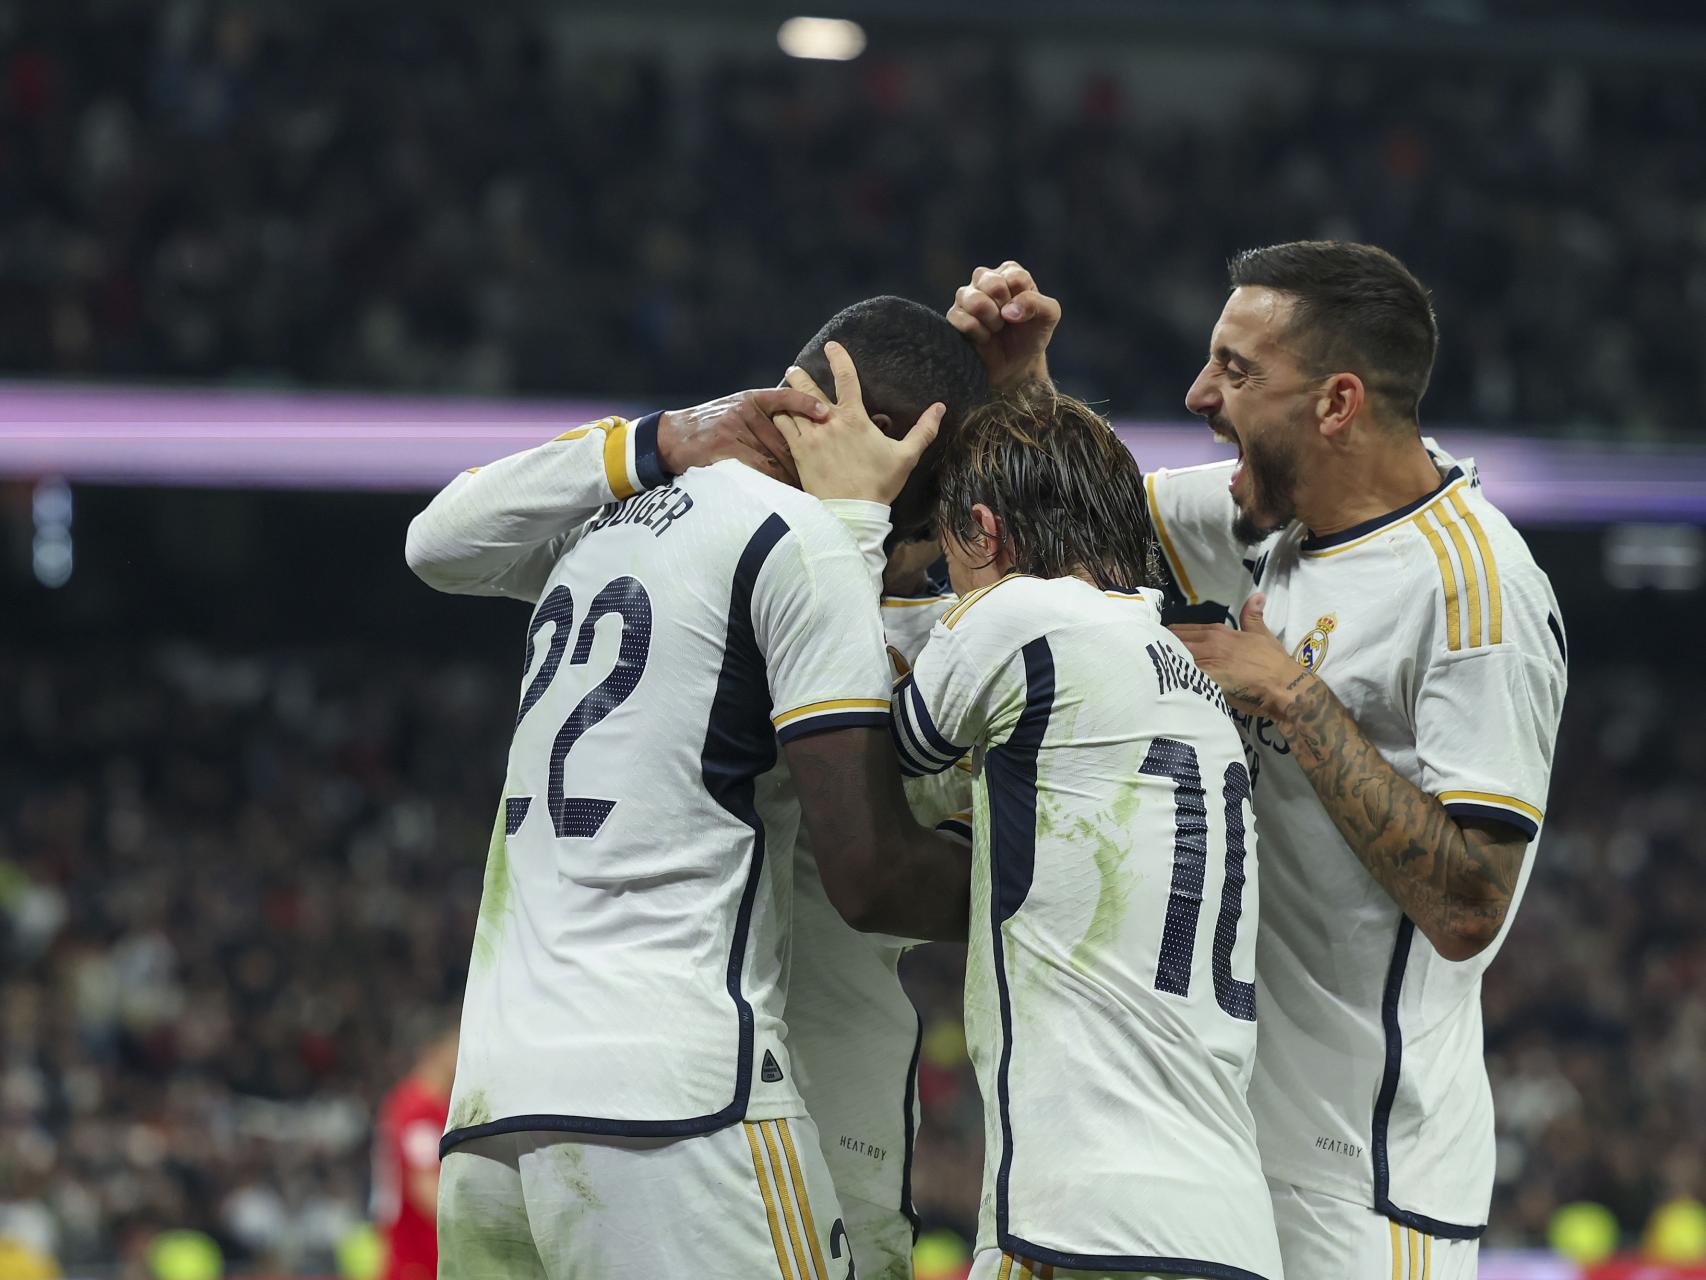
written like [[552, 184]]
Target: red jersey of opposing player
[[405, 1168]]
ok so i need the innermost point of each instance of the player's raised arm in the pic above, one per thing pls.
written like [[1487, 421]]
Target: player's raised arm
[[498, 529], [1009, 320]]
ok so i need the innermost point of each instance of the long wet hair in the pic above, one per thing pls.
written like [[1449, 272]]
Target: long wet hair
[[1067, 491]]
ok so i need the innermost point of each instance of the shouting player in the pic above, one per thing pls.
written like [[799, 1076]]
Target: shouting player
[[1110, 1009], [1400, 669], [704, 662]]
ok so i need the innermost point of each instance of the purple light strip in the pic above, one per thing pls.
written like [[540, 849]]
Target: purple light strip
[[312, 440]]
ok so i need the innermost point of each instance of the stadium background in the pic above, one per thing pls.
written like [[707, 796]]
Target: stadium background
[[247, 763]]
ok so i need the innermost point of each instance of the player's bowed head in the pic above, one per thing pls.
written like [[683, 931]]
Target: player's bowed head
[[908, 360], [1038, 482], [904, 360]]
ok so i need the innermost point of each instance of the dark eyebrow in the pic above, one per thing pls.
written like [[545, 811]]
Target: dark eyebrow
[[1226, 355]]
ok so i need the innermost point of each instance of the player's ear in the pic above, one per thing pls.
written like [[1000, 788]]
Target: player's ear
[[885, 424], [993, 530], [1339, 403]]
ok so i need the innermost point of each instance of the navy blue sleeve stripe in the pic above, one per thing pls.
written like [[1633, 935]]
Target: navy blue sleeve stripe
[[915, 738], [840, 720], [909, 767], [921, 717], [954, 827], [1510, 817], [911, 753], [648, 464]]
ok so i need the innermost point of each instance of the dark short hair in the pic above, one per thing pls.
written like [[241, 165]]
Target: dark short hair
[[1356, 309], [1066, 489], [908, 357]]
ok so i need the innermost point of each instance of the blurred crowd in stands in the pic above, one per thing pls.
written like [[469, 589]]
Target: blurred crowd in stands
[[235, 891], [473, 199]]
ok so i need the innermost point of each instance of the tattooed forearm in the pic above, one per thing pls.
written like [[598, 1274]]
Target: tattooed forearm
[[1456, 884]]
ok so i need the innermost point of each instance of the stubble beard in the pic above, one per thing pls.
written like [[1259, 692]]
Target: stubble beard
[[1272, 470]]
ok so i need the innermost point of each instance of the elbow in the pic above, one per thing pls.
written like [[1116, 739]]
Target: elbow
[[859, 908], [430, 567], [1466, 939]]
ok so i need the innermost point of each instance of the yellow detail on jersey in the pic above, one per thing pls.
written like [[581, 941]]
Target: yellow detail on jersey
[[769, 1201], [1495, 622], [964, 764], [950, 618], [1397, 1254], [789, 1216], [1396, 524], [616, 461], [473, 471], [804, 1200], [1167, 547], [603, 424], [1471, 583], [1415, 1250], [899, 665], [832, 704], [1447, 576], [913, 602], [1488, 797], [1006, 1267], [1427, 1256]]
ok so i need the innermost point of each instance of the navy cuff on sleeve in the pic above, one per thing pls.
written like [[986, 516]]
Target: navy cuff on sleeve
[[648, 466], [1521, 821]]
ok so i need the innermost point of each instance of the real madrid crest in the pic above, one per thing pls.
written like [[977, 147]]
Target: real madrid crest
[[1311, 651]]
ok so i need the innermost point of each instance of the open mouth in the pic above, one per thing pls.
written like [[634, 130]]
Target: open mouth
[[1225, 435]]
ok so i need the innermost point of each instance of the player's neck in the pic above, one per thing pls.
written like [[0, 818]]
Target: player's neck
[[1364, 484]]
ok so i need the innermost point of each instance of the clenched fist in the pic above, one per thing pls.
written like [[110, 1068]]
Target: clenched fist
[[1010, 320]]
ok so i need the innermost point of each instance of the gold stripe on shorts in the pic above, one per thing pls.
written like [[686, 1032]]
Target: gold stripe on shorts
[[1427, 1256], [1415, 1251], [769, 1201], [804, 1200], [790, 1216], [1006, 1267], [1397, 1253]]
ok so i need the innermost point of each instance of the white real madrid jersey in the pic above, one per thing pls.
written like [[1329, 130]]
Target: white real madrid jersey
[[1438, 632], [1110, 1007], [629, 964]]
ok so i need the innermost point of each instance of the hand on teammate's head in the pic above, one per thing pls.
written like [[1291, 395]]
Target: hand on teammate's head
[[736, 426], [848, 455], [1010, 321]]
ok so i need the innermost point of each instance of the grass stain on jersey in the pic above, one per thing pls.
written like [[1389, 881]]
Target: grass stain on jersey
[[568, 1162], [469, 1109], [485, 1236], [494, 895], [1109, 849]]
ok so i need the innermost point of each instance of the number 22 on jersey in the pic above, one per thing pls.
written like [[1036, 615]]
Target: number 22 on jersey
[[625, 597]]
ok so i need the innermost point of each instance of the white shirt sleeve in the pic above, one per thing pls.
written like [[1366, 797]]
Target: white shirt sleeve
[[498, 530], [816, 622], [869, 524], [1486, 723], [947, 704], [1192, 512], [907, 624]]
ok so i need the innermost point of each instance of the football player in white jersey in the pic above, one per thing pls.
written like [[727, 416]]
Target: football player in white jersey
[[1110, 1009], [1400, 669], [703, 668]]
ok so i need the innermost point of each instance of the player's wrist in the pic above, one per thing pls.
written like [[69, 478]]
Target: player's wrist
[[1284, 695], [649, 465]]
